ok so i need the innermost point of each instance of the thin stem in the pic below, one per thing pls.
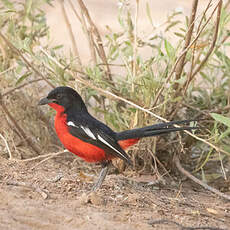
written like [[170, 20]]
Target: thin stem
[[73, 41]]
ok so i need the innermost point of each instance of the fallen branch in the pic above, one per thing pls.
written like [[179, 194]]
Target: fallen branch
[[201, 183], [50, 157], [43, 156]]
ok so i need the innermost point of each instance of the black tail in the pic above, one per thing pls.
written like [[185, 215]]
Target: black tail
[[154, 130]]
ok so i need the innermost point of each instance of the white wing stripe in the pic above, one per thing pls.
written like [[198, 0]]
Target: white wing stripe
[[70, 123], [105, 142], [88, 132]]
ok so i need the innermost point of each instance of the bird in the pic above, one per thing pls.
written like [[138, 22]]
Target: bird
[[92, 140]]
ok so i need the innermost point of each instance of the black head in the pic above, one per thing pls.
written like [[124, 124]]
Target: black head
[[65, 97]]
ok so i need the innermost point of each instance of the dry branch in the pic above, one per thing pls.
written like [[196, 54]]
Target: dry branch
[[73, 41], [88, 33], [101, 51], [19, 53], [17, 126], [188, 37], [213, 41], [180, 56], [201, 183], [21, 86]]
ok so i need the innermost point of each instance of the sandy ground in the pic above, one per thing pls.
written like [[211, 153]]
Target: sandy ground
[[54, 195], [124, 202]]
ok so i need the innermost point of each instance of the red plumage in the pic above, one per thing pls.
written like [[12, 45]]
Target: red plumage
[[87, 151]]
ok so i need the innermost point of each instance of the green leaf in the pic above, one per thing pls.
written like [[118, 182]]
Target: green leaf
[[149, 14], [23, 77], [179, 34], [172, 24], [8, 4], [169, 49], [28, 7], [221, 119]]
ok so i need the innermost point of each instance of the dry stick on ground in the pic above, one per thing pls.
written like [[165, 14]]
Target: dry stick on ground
[[73, 41], [50, 157], [28, 185], [95, 31], [43, 156], [17, 126], [180, 65], [179, 57], [19, 53], [201, 183]]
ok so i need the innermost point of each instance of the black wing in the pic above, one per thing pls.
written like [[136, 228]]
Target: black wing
[[92, 131]]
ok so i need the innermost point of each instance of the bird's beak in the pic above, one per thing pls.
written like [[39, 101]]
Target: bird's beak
[[45, 101]]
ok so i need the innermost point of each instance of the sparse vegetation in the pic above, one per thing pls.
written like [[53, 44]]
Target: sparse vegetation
[[181, 78]]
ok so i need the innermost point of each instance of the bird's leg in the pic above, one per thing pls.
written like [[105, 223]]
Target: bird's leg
[[102, 175]]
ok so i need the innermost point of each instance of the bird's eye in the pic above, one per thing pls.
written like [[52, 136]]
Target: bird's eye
[[58, 96]]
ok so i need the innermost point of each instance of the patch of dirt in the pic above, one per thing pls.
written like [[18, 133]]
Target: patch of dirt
[[123, 202]]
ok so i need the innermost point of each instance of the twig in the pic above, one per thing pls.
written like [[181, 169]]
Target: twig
[[42, 156], [135, 43], [7, 70], [188, 37], [101, 50], [222, 166], [18, 52], [50, 157], [201, 183], [86, 30], [186, 84], [73, 41], [7, 146], [30, 186], [17, 126], [21, 86], [179, 57], [213, 41], [75, 12]]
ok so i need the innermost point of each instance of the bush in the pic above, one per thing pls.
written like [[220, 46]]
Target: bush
[[183, 78]]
